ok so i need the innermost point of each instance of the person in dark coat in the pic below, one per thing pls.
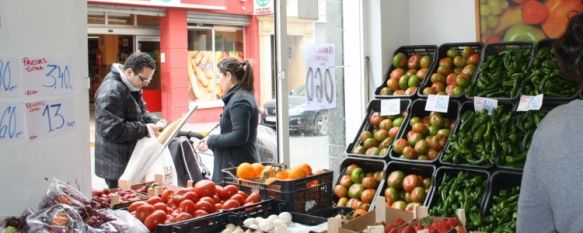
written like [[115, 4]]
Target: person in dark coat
[[121, 118], [236, 142]]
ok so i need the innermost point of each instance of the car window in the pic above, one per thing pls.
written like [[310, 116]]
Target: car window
[[300, 91]]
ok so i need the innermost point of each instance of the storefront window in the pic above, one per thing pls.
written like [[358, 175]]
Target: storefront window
[[146, 20], [206, 48], [94, 17], [120, 19]]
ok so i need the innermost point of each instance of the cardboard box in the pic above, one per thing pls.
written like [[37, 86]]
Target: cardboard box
[[377, 217]]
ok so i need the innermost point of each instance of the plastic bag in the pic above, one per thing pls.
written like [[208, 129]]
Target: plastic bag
[[55, 219], [266, 144], [60, 192], [164, 166]]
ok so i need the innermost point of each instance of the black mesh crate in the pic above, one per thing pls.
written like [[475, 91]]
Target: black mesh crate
[[425, 170], [368, 165]]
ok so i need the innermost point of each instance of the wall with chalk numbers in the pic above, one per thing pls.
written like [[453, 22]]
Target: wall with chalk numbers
[[44, 106]]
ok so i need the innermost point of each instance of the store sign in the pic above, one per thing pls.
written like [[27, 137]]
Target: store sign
[[320, 80], [189, 4], [263, 7]]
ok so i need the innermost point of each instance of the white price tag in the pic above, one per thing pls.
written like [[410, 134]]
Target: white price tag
[[12, 121], [481, 103], [437, 103], [528, 103], [50, 117], [47, 75], [390, 107], [10, 78]]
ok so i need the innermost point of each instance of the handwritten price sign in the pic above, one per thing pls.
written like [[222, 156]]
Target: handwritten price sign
[[320, 76], [10, 81], [528, 103], [47, 118], [11, 121], [46, 75], [437, 103], [485, 103]]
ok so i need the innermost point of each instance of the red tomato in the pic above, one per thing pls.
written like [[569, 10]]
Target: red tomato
[[230, 190], [134, 206], [230, 204], [158, 217], [182, 191], [187, 206], [216, 198], [204, 188], [144, 211], [190, 195], [206, 206], [239, 198], [200, 213], [221, 192], [177, 199], [253, 198], [219, 206], [208, 199], [161, 206], [244, 194], [183, 216], [167, 195], [153, 200]]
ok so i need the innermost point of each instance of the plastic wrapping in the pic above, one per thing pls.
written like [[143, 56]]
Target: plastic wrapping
[[61, 193], [121, 222], [56, 219], [266, 144]]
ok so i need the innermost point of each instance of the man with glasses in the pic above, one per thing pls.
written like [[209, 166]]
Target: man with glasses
[[121, 118]]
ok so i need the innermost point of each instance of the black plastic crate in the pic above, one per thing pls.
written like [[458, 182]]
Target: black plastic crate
[[545, 44], [469, 106], [417, 109], [501, 180], [441, 53], [453, 171], [368, 165], [303, 195], [494, 49], [260, 209], [375, 106], [422, 50], [425, 170], [211, 223]]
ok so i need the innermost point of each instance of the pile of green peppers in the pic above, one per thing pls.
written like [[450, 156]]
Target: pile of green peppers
[[501, 75], [502, 138], [545, 77], [502, 218], [461, 191]]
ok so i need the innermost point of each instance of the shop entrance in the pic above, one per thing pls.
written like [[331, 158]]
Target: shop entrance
[[105, 50]]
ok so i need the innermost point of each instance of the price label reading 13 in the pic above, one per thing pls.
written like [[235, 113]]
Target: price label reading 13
[[11, 121], [50, 117], [46, 75]]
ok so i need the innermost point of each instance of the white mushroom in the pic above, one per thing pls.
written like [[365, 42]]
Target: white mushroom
[[285, 217]]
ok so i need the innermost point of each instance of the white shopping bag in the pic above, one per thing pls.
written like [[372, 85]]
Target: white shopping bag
[[144, 156], [164, 166]]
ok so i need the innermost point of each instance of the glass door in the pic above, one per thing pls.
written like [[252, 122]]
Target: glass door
[[151, 45]]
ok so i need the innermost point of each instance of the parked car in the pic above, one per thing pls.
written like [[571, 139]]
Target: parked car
[[300, 119]]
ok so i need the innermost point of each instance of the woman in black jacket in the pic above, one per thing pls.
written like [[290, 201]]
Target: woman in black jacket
[[236, 143]]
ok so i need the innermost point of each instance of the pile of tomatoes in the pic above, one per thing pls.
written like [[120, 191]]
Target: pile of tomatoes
[[176, 205]]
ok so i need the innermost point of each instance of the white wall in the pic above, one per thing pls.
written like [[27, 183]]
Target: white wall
[[443, 21], [46, 28]]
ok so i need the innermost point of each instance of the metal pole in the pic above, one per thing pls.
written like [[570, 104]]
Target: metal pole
[[282, 91]]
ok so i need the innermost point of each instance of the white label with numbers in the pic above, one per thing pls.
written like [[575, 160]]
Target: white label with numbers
[[528, 103], [390, 107], [437, 103], [481, 103], [47, 75], [12, 121], [50, 117]]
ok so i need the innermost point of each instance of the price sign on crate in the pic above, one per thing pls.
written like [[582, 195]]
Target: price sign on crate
[[47, 118], [47, 75], [390, 107], [10, 82], [481, 103], [320, 82], [528, 103], [437, 103], [11, 121]]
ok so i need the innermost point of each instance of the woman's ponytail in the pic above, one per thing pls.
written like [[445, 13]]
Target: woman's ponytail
[[242, 72], [246, 81]]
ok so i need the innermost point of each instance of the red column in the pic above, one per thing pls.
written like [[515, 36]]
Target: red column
[[252, 53], [173, 43]]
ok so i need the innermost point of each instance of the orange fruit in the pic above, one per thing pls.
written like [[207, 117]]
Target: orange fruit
[[282, 175], [245, 171], [306, 168], [268, 171], [257, 170], [359, 212], [296, 173]]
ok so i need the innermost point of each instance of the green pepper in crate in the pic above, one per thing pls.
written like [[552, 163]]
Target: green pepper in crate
[[545, 77], [502, 218], [461, 191]]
